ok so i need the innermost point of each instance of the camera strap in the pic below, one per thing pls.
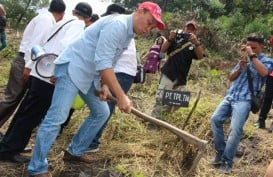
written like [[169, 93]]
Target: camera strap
[[58, 30], [250, 81], [179, 49]]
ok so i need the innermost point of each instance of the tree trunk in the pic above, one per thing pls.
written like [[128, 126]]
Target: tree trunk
[[23, 14]]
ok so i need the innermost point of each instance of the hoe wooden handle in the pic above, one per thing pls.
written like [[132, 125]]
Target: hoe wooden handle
[[189, 138]]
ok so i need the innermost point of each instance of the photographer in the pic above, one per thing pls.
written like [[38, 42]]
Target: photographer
[[236, 105], [182, 46]]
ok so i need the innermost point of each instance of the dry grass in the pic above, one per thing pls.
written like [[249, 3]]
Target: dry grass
[[129, 149]]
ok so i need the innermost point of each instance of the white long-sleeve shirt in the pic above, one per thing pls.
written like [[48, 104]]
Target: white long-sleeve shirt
[[35, 33], [57, 44]]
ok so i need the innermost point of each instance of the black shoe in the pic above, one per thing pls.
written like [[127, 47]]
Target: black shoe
[[17, 158], [225, 168], [260, 124], [217, 159]]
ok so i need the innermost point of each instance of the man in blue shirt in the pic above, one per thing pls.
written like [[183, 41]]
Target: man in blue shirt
[[237, 102], [125, 70], [85, 66]]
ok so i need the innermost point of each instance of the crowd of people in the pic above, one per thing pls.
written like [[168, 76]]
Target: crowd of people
[[83, 65], [96, 58]]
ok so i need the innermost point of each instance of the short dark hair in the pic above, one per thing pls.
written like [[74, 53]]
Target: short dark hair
[[57, 6], [94, 17], [256, 38]]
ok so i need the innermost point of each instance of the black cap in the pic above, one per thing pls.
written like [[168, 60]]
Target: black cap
[[94, 17], [83, 9], [114, 8]]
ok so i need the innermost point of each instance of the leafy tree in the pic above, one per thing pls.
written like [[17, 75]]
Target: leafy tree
[[20, 12], [252, 8], [229, 6], [258, 26], [216, 8], [232, 25]]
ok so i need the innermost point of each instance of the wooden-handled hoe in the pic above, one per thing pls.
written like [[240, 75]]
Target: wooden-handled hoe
[[185, 136]]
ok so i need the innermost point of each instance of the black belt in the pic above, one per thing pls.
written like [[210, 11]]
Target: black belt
[[21, 54]]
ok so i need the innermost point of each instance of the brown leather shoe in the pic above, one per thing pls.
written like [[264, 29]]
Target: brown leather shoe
[[84, 158]]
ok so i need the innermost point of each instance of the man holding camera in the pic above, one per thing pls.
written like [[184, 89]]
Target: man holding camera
[[237, 102], [182, 46]]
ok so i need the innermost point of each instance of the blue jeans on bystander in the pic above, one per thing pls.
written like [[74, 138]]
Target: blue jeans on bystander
[[238, 112]]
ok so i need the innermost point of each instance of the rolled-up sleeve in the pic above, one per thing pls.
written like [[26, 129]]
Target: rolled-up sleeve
[[109, 45]]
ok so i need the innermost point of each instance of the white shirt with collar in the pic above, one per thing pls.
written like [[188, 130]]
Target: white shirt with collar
[[68, 33], [127, 62], [35, 33]]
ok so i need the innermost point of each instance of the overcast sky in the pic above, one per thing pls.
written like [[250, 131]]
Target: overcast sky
[[98, 6]]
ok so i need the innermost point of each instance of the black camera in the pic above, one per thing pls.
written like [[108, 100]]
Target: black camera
[[182, 37]]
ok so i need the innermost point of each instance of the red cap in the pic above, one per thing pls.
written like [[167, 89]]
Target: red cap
[[155, 10], [192, 22]]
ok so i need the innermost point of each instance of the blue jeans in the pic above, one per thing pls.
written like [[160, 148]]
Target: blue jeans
[[238, 112], [63, 97], [125, 82], [3, 40]]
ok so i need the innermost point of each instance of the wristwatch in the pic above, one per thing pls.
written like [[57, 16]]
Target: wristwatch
[[253, 56]]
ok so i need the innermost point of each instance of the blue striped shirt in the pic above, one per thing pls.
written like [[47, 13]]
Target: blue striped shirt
[[239, 90]]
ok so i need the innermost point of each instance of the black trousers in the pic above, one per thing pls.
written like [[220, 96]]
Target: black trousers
[[29, 115], [268, 98]]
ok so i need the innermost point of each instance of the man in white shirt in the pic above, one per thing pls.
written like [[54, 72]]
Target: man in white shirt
[[34, 34], [38, 97]]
